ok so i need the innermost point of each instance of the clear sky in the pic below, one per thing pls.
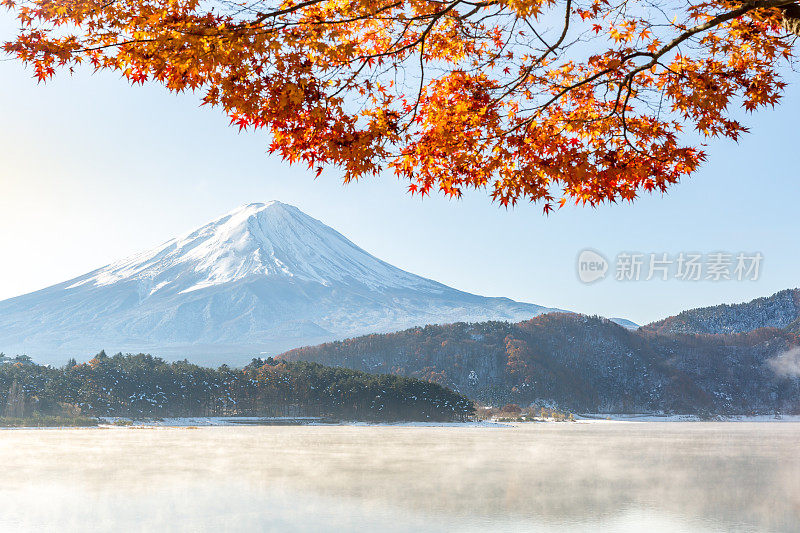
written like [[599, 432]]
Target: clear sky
[[92, 170]]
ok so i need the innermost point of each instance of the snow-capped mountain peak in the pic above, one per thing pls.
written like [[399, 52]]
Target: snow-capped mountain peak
[[263, 278], [257, 240]]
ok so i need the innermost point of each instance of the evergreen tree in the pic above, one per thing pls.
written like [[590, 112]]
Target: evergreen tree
[[143, 386]]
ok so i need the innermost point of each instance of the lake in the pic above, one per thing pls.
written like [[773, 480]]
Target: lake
[[603, 476]]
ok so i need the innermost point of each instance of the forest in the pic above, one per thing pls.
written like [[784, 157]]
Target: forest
[[146, 386], [585, 364]]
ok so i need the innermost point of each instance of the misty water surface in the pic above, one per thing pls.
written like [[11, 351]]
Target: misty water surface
[[536, 477]]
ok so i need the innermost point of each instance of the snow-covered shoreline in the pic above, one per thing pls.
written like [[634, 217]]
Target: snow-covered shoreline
[[219, 421], [244, 421], [650, 417]]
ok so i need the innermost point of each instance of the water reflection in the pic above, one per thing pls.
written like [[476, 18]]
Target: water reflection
[[547, 477]]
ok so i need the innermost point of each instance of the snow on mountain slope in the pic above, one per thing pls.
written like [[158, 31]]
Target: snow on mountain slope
[[780, 310], [271, 240], [625, 323], [262, 278]]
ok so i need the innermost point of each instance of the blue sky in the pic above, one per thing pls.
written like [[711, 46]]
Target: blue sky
[[92, 170]]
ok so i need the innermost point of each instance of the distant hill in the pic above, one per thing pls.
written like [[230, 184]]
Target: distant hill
[[584, 364], [776, 311]]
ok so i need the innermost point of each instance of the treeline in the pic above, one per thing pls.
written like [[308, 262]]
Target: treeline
[[146, 386]]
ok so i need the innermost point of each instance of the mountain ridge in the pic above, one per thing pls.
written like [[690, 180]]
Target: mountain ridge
[[779, 310]]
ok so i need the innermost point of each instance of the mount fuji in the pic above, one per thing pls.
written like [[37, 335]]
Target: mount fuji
[[263, 278]]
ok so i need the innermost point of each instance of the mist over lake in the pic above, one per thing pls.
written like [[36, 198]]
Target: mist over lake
[[610, 476]]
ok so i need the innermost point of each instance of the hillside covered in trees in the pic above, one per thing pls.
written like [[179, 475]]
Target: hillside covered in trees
[[585, 364], [145, 386], [777, 311]]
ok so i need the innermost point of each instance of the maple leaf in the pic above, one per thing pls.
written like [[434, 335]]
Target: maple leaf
[[590, 106]]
